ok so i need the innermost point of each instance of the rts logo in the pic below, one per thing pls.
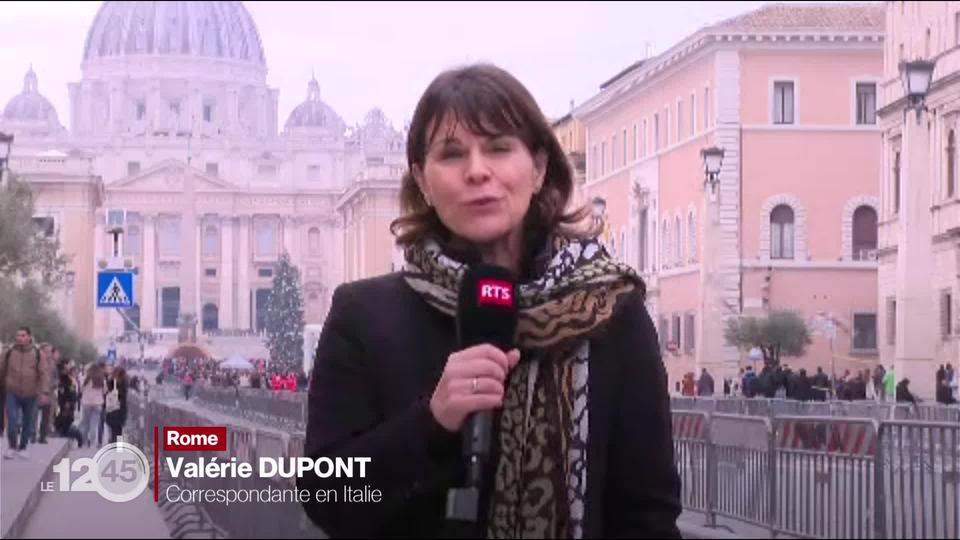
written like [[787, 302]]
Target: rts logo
[[496, 292]]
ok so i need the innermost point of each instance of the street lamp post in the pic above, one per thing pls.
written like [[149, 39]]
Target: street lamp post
[[916, 76], [709, 284], [6, 141], [916, 336]]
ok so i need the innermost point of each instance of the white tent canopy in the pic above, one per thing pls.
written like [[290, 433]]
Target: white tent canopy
[[236, 362]]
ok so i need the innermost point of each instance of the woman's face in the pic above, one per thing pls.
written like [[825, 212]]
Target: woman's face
[[479, 186]]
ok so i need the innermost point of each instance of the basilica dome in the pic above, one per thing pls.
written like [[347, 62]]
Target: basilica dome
[[30, 104], [218, 30]]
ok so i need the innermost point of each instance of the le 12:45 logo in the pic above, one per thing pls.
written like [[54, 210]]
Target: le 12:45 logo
[[119, 472]]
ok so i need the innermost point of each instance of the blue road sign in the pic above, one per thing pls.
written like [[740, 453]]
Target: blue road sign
[[114, 289]]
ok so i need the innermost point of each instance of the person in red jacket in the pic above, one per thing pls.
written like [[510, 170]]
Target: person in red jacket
[[291, 382]]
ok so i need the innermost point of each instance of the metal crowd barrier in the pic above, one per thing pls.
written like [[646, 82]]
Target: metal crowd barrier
[[877, 410], [282, 409], [821, 476], [238, 520]]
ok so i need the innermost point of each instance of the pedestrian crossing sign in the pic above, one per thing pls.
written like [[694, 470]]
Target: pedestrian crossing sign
[[114, 289]]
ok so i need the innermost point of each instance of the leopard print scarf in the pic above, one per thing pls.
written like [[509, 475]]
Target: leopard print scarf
[[540, 472]]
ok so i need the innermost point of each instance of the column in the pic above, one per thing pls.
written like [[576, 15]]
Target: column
[[243, 275], [197, 272], [916, 303], [102, 317], [227, 319], [148, 273]]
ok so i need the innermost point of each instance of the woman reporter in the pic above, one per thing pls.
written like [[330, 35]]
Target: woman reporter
[[582, 442]]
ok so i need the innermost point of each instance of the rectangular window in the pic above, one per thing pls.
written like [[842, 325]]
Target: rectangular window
[[624, 162], [207, 112], [706, 108], [891, 321], [688, 333], [956, 28], [169, 306], [679, 120], [866, 103], [675, 337], [662, 333], [603, 158], [133, 167], [864, 331], [210, 272], [141, 110], [644, 139], [168, 229], [213, 169], [265, 272], [783, 102], [613, 154], [266, 171], [175, 109], [946, 313], [642, 242], [44, 226], [313, 173], [666, 127], [896, 182], [594, 163], [656, 132], [635, 142], [693, 114]]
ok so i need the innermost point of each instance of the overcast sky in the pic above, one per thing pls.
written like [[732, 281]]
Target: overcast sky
[[385, 54]]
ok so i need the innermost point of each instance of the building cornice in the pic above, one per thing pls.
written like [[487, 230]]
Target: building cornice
[[661, 66]]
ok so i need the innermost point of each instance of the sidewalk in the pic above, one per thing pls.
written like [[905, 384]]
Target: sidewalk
[[88, 515], [21, 483]]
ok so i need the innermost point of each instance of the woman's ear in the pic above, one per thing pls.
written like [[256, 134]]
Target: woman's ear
[[417, 171], [540, 170]]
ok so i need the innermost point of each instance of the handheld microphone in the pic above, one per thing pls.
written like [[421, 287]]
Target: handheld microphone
[[486, 313]]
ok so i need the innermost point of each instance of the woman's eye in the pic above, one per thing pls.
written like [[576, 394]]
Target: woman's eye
[[450, 153]]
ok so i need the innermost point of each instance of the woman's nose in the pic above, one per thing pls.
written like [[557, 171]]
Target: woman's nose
[[478, 169]]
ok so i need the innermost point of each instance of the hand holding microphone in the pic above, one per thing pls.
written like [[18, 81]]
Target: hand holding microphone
[[472, 380]]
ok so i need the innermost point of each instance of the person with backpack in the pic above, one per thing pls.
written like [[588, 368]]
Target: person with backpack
[[116, 403], [67, 400], [24, 376]]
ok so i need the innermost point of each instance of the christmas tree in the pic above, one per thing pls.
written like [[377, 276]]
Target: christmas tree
[[284, 318]]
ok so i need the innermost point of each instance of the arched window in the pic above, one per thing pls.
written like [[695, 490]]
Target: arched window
[[781, 232], [864, 233], [692, 237], [211, 241], [951, 164], [211, 317], [678, 240], [313, 241]]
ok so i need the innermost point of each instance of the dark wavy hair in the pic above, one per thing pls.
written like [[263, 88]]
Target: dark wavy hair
[[487, 101]]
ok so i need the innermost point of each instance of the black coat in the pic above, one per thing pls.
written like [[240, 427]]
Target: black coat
[[381, 354]]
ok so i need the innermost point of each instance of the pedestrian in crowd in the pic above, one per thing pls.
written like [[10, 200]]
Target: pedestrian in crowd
[[881, 390], [705, 385], [953, 383], [726, 387], [871, 394], [803, 386], [748, 383], [820, 385], [116, 403], [487, 181], [91, 401], [24, 375], [689, 386], [187, 385], [68, 400], [45, 402], [890, 385], [903, 392], [941, 390], [107, 374]]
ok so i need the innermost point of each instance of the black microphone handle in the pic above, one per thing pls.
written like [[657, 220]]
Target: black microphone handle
[[477, 433]]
